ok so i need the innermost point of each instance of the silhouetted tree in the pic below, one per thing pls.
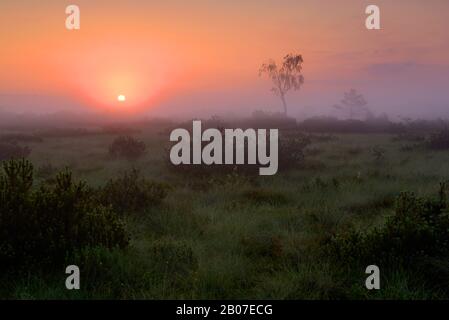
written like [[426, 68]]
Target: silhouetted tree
[[353, 102], [286, 78]]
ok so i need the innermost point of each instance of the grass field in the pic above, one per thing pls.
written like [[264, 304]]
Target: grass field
[[240, 237]]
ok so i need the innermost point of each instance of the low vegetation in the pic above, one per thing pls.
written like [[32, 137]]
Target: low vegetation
[[148, 230], [132, 193], [42, 227], [415, 238]]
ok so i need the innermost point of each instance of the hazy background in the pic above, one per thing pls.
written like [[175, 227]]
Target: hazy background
[[184, 58]]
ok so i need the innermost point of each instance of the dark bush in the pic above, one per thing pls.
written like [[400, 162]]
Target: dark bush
[[131, 192], [291, 151], [418, 229], [44, 226], [13, 151], [439, 140], [127, 147]]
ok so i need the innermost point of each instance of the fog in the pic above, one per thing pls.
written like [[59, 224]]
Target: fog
[[398, 90], [177, 62]]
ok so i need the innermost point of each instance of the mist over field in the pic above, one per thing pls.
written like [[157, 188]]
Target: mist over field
[[398, 90], [193, 62]]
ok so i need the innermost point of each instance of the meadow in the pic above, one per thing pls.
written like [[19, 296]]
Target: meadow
[[229, 235]]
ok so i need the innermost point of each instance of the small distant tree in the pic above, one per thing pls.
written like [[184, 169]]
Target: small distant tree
[[285, 78], [354, 103]]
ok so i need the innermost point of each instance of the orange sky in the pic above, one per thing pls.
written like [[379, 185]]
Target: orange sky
[[180, 54]]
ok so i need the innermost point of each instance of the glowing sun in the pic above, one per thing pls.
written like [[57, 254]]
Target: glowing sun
[[121, 98]]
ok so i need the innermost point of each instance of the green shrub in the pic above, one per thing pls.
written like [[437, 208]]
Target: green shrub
[[127, 147], [46, 225], [291, 152], [131, 192], [418, 229]]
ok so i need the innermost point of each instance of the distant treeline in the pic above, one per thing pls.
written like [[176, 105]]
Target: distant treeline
[[323, 124], [43, 127], [372, 125], [334, 125]]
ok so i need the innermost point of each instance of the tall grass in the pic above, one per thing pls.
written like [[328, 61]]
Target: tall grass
[[238, 236]]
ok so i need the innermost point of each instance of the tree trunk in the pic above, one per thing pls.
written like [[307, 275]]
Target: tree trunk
[[284, 104]]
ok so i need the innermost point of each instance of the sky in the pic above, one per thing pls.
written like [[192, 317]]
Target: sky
[[201, 57]]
